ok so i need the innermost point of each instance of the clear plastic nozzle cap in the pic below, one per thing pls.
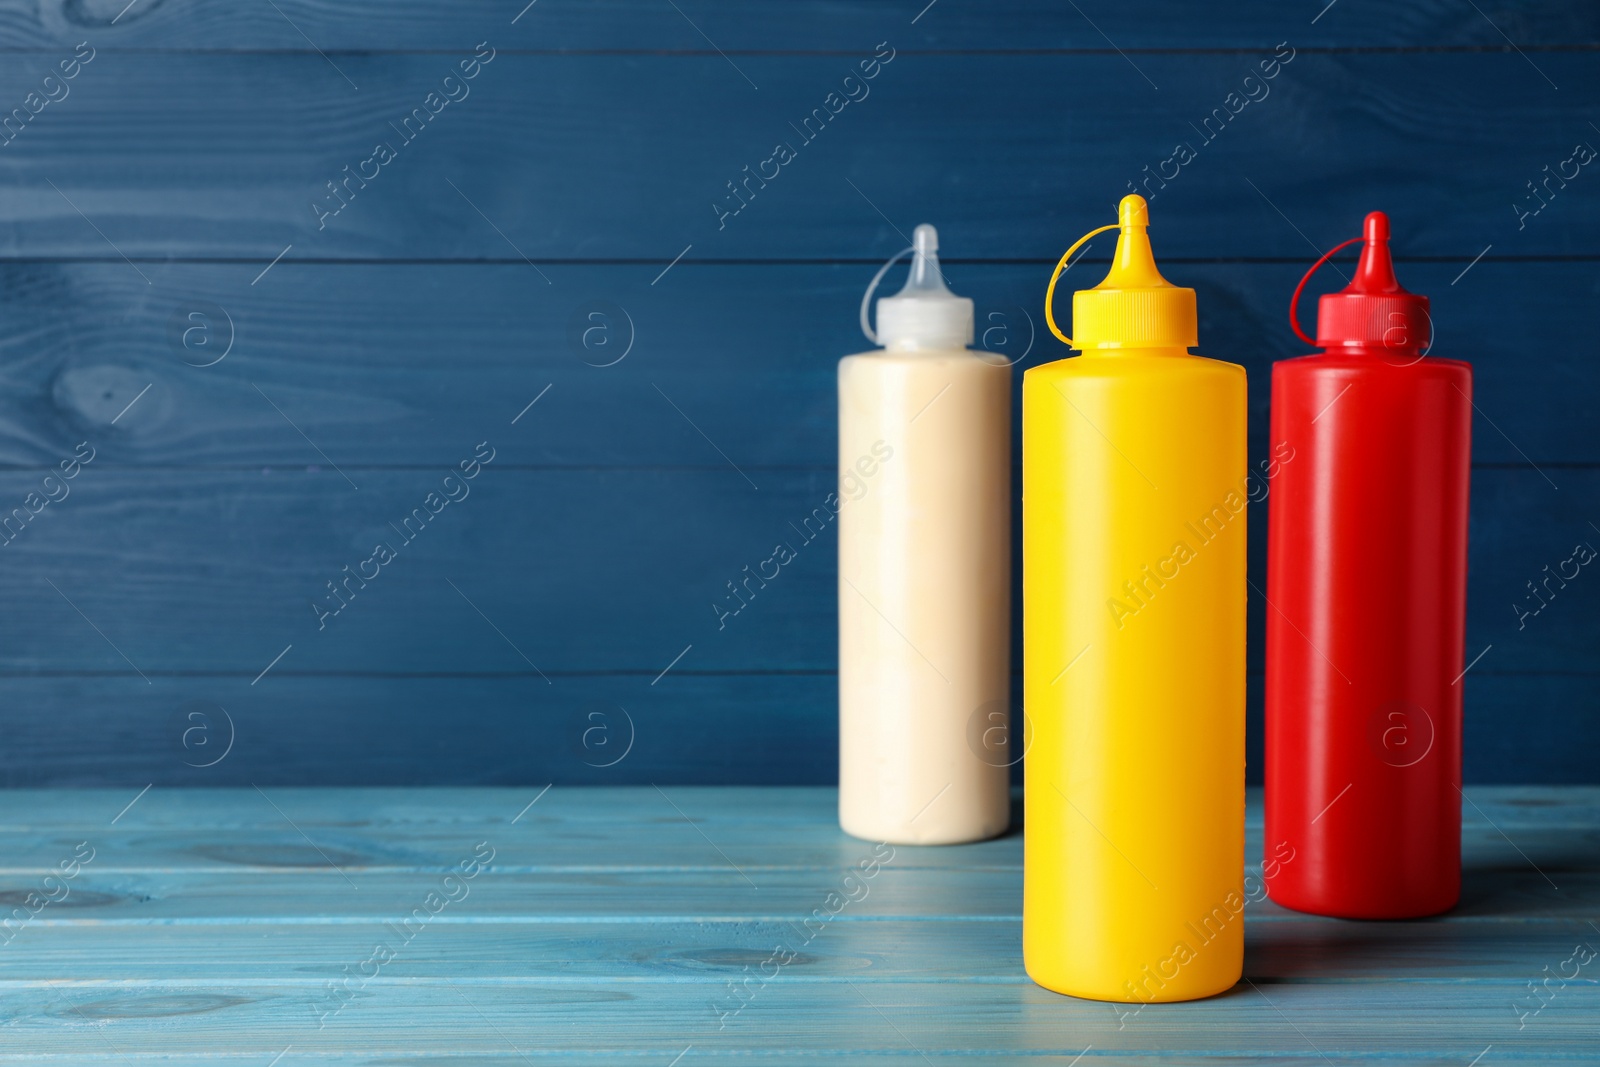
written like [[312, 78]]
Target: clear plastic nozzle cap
[[924, 313]]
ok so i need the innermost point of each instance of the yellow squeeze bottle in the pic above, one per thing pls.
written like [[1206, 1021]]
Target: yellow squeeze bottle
[[1133, 542]]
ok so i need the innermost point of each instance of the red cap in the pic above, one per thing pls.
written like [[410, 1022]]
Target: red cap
[[1374, 309]]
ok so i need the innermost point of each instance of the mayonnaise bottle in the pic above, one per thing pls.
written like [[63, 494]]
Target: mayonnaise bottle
[[924, 570]]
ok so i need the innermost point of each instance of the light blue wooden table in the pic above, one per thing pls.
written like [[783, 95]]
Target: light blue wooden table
[[723, 925]]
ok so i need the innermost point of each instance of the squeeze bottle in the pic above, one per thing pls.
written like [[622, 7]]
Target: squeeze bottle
[[924, 570], [1366, 578], [1133, 596]]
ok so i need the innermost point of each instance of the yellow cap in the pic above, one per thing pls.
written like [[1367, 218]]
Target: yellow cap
[[1134, 307]]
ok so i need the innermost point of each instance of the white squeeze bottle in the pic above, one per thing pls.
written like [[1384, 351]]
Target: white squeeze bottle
[[924, 570]]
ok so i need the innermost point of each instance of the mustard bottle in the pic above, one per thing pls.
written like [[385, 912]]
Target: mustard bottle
[[1133, 542]]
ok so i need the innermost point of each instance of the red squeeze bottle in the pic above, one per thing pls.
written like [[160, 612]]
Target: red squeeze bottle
[[1366, 594]]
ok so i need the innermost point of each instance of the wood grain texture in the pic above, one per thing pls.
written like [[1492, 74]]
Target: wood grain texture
[[456, 287], [796, 810], [660, 1019], [734, 729], [555, 571], [452, 666], [596, 157], [401, 811], [205, 832], [212, 926], [400, 365], [885, 950], [829, 25]]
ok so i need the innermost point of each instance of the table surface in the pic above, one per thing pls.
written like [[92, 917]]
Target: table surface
[[671, 925]]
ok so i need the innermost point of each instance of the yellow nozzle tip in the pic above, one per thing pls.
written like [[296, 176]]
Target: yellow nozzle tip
[[1133, 211], [1134, 265]]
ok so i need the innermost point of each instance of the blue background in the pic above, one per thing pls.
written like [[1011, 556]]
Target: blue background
[[523, 636]]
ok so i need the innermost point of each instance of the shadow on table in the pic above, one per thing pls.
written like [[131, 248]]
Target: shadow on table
[[1283, 944]]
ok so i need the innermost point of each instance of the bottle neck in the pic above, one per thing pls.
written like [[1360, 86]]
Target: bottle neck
[[912, 347], [1403, 354], [1152, 350]]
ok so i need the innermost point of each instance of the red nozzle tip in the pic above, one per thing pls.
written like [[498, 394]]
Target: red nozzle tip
[[1375, 271], [1377, 227]]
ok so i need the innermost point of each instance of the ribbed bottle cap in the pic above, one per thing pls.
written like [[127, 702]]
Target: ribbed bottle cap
[[1373, 309], [1134, 307]]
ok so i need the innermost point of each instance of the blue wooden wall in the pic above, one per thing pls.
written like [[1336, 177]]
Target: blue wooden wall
[[271, 375]]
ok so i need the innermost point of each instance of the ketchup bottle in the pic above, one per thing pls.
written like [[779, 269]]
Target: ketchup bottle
[[1366, 595]]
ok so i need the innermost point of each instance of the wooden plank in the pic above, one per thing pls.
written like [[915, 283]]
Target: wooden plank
[[576, 812], [804, 813], [888, 950], [276, 539], [817, 25], [327, 875], [384, 729], [1548, 806], [229, 563], [165, 173], [700, 728], [356, 356], [567, 845], [534, 830], [1534, 748], [662, 1018], [255, 952], [275, 894]]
